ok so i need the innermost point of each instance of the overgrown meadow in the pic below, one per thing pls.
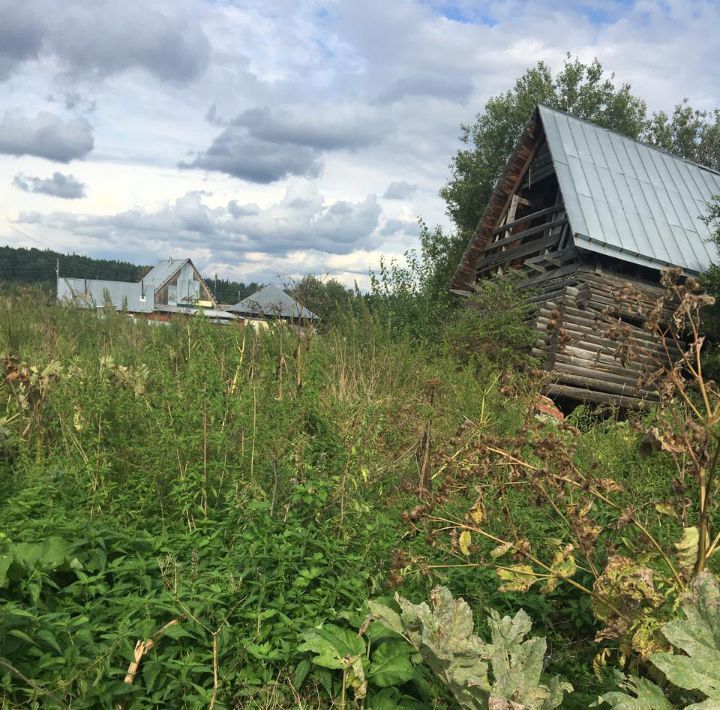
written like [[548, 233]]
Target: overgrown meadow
[[197, 516]]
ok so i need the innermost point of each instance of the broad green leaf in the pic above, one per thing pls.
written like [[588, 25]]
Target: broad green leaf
[[301, 671], [699, 637], [390, 664], [645, 695], [386, 616], [335, 647], [326, 655]]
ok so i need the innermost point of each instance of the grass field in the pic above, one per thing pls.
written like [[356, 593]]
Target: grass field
[[222, 492]]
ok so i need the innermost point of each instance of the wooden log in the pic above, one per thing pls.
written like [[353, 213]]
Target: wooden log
[[583, 395], [562, 272], [592, 353], [587, 335], [629, 380], [595, 383]]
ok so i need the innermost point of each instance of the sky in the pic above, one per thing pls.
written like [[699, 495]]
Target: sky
[[271, 139]]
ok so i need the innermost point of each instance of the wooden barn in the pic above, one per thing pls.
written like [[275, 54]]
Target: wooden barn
[[583, 212]]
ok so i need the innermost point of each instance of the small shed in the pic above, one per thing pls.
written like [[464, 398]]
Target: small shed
[[272, 303], [583, 212]]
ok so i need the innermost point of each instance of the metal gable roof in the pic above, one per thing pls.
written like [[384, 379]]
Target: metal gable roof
[[167, 268], [630, 200], [272, 301]]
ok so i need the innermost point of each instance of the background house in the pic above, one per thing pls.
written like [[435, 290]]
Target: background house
[[172, 287], [583, 211], [272, 303]]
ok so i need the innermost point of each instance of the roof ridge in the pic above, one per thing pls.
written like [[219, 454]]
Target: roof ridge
[[630, 138]]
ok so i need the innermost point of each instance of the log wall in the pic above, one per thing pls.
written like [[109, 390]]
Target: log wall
[[592, 342]]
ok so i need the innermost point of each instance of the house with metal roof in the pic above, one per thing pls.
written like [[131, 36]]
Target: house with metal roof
[[272, 303], [172, 287], [583, 211]]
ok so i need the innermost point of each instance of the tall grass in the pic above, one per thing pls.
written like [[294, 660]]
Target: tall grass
[[246, 485]]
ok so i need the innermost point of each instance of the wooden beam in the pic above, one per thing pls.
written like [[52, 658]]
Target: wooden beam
[[525, 233], [548, 275], [513, 254], [521, 175], [527, 218]]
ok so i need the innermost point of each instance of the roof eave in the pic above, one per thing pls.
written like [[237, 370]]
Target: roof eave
[[464, 278], [586, 243]]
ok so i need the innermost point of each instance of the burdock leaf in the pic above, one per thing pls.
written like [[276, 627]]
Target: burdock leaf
[[464, 542], [699, 637], [518, 578], [390, 664], [386, 616], [446, 642], [687, 549], [645, 695]]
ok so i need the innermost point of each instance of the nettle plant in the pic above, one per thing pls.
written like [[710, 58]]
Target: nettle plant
[[610, 545]]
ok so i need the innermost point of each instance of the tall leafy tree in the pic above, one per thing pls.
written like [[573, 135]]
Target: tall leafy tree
[[328, 299], [583, 90], [689, 133]]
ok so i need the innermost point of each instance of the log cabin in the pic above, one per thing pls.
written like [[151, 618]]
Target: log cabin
[[583, 211]]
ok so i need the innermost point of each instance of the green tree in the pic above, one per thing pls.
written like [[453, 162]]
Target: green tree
[[585, 91], [689, 133], [413, 296], [327, 299], [580, 89]]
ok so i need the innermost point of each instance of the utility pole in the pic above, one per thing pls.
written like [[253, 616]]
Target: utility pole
[[57, 275]]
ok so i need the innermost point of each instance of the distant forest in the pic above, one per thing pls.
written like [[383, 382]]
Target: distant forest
[[19, 265]]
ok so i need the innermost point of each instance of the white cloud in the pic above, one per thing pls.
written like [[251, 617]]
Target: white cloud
[[59, 185], [298, 222], [343, 100], [102, 37], [46, 136]]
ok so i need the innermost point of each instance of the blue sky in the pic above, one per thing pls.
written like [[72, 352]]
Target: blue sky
[[267, 140]]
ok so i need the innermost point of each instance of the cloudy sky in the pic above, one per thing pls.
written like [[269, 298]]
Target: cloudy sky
[[269, 139]]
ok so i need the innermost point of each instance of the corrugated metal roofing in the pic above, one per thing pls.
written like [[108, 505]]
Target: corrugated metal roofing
[[272, 301], [213, 313], [159, 274], [91, 293], [629, 200]]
